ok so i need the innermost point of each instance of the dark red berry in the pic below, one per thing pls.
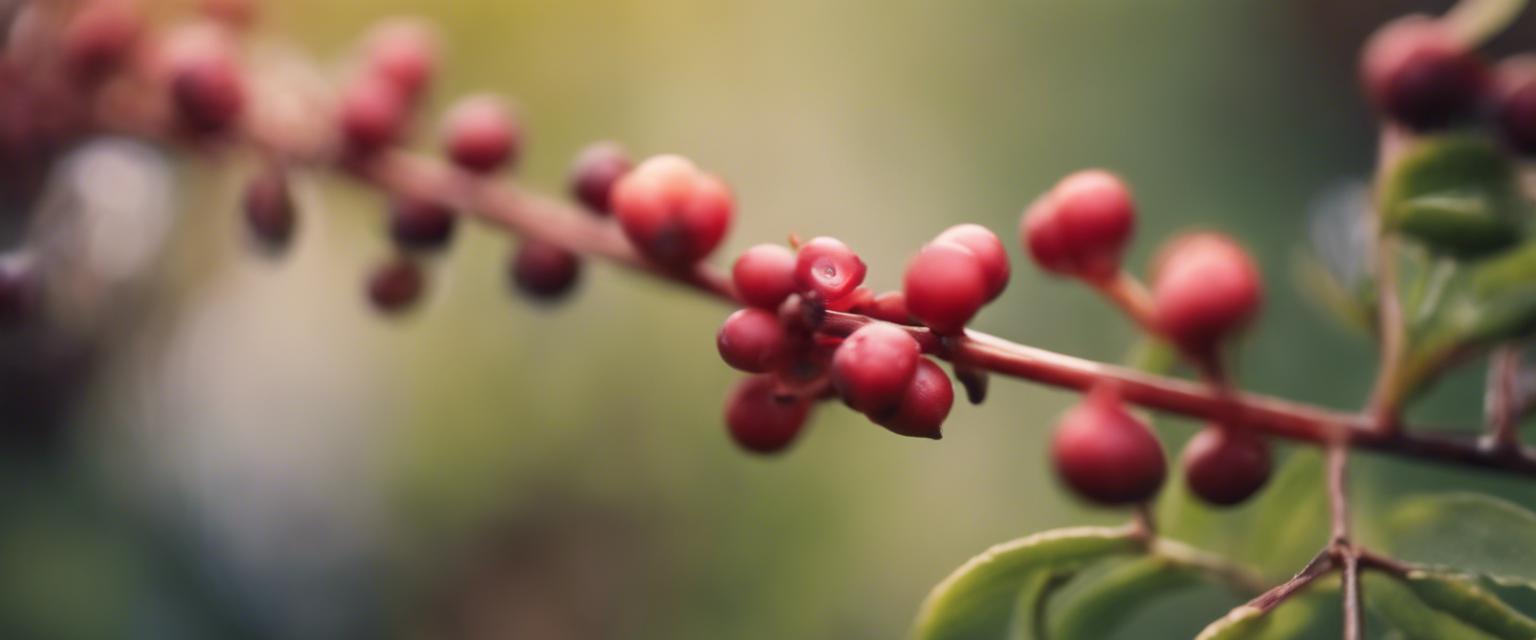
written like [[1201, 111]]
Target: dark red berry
[[874, 366], [420, 224], [403, 53], [268, 205], [597, 169], [988, 249], [1105, 454], [1081, 226], [1204, 289], [100, 37], [1516, 105], [482, 134], [373, 116], [1417, 72], [752, 340], [545, 271], [945, 285], [827, 267], [672, 212], [765, 275], [396, 285], [20, 289], [1225, 466], [208, 93], [759, 420], [924, 405]]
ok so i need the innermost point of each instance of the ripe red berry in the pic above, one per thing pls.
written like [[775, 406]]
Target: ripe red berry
[[1204, 289], [1516, 104], [544, 271], [268, 207], [208, 93], [1225, 466], [924, 405], [373, 116], [890, 306], [1081, 226], [481, 134], [752, 340], [420, 224], [1417, 72], [945, 285], [597, 169], [988, 249], [99, 38], [395, 285], [403, 52], [1105, 454], [874, 366], [672, 212], [765, 275], [827, 267], [759, 420]]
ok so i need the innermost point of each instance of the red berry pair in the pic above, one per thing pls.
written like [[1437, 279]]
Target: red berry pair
[[879, 371], [375, 109], [672, 212], [952, 277], [207, 84], [1081, 226]]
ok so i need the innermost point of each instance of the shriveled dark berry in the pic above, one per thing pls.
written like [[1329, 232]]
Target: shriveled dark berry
[[421, 224], [268, 206], [597, 169], [545, 271], [396, 285]]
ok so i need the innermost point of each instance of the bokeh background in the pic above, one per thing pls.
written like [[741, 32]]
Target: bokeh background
[[221, 445]]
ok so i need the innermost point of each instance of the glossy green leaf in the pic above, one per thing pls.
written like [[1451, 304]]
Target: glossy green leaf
[[1099, 608], [1466, 533], [978, 600], [1028, 609], [1457, 195], [1397, 604], [1472, 604]]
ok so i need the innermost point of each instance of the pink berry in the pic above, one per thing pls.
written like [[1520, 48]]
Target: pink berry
[[208, 92], [1081, 226], [99, 38], [924, 405], [1105, 454], [395, 286], [545, 272], [752, 340], [1204, 289], [988, 249], [827, 267], [672, 212], [1417, 72], [890, 306], [420, 224], [873, 367], [1225, 466], [945, 285], [481, 134], [597, 169], [765, 275], [403, 53], [269, 207], [373, 116], [759, 420]]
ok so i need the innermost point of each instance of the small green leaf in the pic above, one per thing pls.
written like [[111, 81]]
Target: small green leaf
[[1464, 599], [1027, 621], [1241, 624], [1397, 604], [978, 600], [1467, 533], [1099, 608], [1457, 195]]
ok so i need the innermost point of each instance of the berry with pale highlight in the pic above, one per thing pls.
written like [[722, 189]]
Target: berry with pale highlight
[[764, 275], [828, 268], [759, 419], [989, 251], [403, 53], [544, 271], [752, 340], [945, 285], [1105, 454], [481, 134], [1205, 288], [1226, 465], [1081, 226], [874, 366], [672, 212]]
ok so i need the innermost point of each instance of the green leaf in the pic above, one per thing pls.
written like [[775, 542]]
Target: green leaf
[[1027, 619], [1099, 608], [1464, 599], [1241, 624], [1397, 604], [978, 600], [1456, 194], [1501, 300], [1466, 533]]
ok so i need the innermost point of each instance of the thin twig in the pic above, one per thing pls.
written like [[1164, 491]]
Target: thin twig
[[1503, 399]]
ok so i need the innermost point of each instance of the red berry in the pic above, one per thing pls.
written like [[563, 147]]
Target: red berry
[[396, 285], [1516, 108], [1225, 466], [924, 405], [765, 275], [545, 271], [597, 169], [1204, 288], [1417, 72], [1081, 226], [873, 367], [671, 211], [269, 207], [420, 224], [1105, 454], [373, 116], [827, 267], [403, 53], [890, 306], [752, 340], [208, 92], [988, 249], [99, 38], [945, 285], [481, 134], [860, 296], [759, 420]]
